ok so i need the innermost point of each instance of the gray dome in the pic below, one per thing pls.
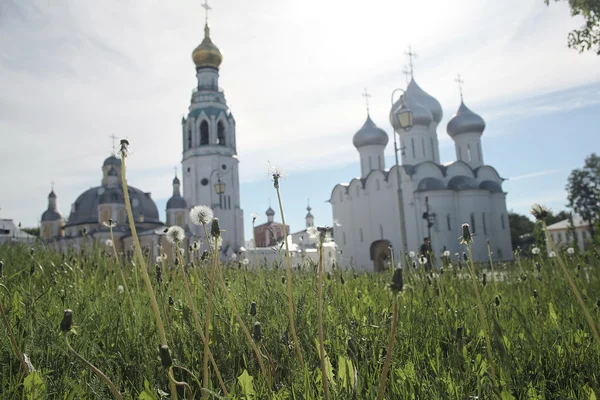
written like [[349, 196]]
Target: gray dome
[[427, 184], [112, 160], [421, 115], [465, 121], [270, 211], [85, 208], [370, 134], [176, 202], [51, 215], [428, 101], [52, 195], [176, 180], [462, 183], [492, 186], [112, 196]]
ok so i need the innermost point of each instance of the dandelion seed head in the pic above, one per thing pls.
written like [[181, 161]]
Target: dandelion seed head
[[175, 234], [411, 254], [539, 212], [201, 215], [159, 259], [467, 237], [571, 250], [120, 289], [422, 260], [276, 175], [446, 253], [552, 254], [535, 250], [108, 243], [110, 223], [246, 261]]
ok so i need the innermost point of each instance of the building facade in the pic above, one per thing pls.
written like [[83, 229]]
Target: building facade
[[436, 199]]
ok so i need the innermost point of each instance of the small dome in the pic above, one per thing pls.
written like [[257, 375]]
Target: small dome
[[207, 54], [51, 215], [270, 212], [176, 181], [462, 183], [176, 202], [421, 115], [491, 186], [112, 172], [370, 134], [465, 121], [428, 101], [52, 195], [112, 160], [112, 196], [427, 184]]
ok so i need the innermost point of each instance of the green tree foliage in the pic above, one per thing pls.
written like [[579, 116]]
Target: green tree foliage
[[584, 191], [521, 230], [32, 231], [559, 216], [588, 36]]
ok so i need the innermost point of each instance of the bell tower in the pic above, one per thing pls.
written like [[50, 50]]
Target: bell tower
[[210, 163]]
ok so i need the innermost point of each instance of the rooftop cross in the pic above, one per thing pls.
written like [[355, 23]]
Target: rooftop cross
[[411, 56], [460, 85], [207, 8], [366, 95], [175, 168], [308, 208], [406, 73], [114, 138], [52, 185]]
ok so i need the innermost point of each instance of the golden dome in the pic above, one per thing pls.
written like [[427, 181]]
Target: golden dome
[[207, 54]]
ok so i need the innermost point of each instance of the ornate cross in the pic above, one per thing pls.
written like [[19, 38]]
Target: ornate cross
[[366, 95], [411, 55], [460, 85], [114, 138], [207, 8]]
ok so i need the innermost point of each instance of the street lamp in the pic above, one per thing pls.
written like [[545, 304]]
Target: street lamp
[[219, 186], [404, 116]]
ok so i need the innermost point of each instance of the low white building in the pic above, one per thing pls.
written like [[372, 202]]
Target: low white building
[[437, 199], [565, 233], [11, 233]]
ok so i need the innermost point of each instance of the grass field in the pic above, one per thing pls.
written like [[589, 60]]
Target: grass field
[[541, 345]]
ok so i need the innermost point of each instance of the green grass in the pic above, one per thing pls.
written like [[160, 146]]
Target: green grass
[[542, 347]]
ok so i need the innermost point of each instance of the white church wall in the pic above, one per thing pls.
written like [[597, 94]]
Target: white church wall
[[458, 168], [487, 173]]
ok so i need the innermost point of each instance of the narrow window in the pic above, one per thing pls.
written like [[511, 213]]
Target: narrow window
[[423, 145], [361, 235], [189, 139], [459, 154], [221, 134], [412, 144], [204, 133], [484, 225], [479, 152], [432, 149], [448, 222], [379, 162], [229, 202], [380, 231], [469, 152], [473, 223]]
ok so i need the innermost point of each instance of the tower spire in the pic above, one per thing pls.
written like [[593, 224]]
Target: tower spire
[[114, 140], [366, 95], [207, 8], [460, 85], [411, 56]]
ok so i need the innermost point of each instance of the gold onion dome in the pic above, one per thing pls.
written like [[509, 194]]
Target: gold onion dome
[[207, 54]]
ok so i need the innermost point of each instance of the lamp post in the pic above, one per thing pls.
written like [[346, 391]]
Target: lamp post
[[405, 121]]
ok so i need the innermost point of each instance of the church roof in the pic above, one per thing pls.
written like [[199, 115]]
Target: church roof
[[465, 121], [270, 211], [424, 98], [85, 208], [176, 202], [51, 215], [112, 160], [370, 134], [113, 195]]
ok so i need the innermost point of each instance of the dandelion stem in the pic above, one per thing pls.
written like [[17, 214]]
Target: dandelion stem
[[101, 375], [140, 257], [388, 356], [289, 281], [118, 263], [320, 322], [482, 316], [211, 281], [12, 338], [588, 317]]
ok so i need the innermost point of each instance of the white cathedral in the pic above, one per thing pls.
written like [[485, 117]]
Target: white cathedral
[[435, 200], [210, 177]]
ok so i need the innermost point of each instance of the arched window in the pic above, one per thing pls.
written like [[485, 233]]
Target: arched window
[[360, 233], [423, 145], [484, 225], [380, 231], [479, 152], [412, 144], [379, 162], [221, 134], [432, 149], [204, 133], [473, 223], [189, 138], [469, 157], [449, 222]]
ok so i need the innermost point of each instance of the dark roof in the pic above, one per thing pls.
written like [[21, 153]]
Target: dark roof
[[176, 202], [51, 215]]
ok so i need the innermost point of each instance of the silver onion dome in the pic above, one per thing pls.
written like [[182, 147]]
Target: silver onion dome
[[428, 101], [465, 121], [370, 134]]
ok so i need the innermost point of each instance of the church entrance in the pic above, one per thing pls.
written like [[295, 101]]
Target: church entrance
[[380, 254]]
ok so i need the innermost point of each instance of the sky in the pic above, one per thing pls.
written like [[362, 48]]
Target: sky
[[73, 73]]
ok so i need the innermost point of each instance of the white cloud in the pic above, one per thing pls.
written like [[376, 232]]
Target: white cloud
[[533, 175], [78, 71]]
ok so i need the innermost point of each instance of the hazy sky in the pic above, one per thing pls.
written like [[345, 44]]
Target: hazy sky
[[74, 72]]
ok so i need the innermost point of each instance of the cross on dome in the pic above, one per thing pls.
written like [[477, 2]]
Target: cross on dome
[[460, 85], [411, 56], [366, 95], [52, 185], [207, 8], [114, 139], [406, 73]]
